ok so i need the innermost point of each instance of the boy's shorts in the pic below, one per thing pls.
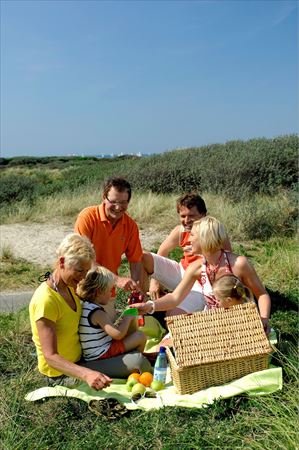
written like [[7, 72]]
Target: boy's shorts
[[116, 348]]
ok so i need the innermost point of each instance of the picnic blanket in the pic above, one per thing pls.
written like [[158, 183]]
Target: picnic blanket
[[257, 383]]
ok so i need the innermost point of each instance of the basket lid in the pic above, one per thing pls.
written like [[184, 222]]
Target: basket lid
[[218, 335]]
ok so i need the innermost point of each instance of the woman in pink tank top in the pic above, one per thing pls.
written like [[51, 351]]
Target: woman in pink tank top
[[208, 237]]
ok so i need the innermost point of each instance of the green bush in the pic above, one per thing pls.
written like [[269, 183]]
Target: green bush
[[15, 189], [236, 169], [261, 218]]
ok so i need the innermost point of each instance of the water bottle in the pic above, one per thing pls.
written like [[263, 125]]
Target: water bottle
[[160, 368]]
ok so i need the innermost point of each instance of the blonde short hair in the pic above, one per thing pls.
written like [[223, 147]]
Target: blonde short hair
[[231, 286], [211, 233], [97, 278], [75, 248]]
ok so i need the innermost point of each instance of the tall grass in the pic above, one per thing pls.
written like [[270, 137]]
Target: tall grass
[[260, 227], [64, 423], [259, 217]]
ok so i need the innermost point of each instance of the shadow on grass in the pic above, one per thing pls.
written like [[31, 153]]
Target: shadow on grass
[[281, 302]]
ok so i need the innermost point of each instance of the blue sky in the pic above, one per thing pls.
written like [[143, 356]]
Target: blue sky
[[91, 77]]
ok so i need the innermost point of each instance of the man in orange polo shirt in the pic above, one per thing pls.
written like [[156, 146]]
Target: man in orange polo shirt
[[113, 233]]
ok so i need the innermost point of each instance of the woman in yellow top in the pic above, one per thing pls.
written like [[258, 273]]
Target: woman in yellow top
[[55, 311]]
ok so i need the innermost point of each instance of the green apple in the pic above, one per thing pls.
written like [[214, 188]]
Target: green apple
[[130, 384], [138, 388], [157, 385]]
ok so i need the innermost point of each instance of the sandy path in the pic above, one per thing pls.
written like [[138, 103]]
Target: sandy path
[[37, 242]]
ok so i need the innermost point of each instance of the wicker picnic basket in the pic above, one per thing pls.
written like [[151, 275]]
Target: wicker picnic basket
[[216, 346]]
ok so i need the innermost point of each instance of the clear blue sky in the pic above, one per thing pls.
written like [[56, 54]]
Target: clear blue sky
[[91, 77]]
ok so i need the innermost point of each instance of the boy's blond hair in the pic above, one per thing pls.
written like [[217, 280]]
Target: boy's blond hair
[[211, 233], [97, 278], [230, 286], [75, 248]]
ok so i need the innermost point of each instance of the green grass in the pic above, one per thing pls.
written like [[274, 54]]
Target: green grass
[[17, 273], [258, 423], [261, 423], [60, 423]]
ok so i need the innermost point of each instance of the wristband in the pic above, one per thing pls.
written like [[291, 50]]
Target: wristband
[[152, 305]]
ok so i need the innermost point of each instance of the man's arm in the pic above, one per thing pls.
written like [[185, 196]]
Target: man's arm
[[129, 284], [171, 242]]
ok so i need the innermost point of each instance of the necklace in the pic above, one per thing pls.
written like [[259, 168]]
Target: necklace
[[71, 302], [54, 283], [212, 272]]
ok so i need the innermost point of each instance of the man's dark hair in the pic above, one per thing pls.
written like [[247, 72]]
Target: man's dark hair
[[120, 184], [190, 200]]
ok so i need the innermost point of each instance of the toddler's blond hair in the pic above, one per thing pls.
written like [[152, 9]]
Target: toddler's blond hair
[[230, 286], [97, 278]]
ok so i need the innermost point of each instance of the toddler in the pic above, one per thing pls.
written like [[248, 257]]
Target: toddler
[[229, 291], [100, 338]]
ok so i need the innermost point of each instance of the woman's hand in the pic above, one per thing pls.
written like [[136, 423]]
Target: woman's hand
[[266, 326], [97, 380], [143, 308]]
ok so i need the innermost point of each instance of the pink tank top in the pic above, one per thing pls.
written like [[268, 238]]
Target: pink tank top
[[205, 282]]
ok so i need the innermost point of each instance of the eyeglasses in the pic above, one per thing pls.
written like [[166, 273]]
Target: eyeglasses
[[113, 203], [146, 394]]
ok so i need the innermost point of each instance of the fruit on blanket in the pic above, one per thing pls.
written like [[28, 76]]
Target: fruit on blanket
[[157, 385], [134, 375], [130, 383], [146, 378], [138, 389]]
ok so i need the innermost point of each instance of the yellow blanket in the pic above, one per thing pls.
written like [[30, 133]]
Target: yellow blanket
[[258, 383]]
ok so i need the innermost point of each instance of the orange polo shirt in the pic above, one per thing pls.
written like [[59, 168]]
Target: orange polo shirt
[[110, 243]]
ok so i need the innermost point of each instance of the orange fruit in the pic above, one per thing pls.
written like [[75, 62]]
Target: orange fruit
[[146, 378], [134, 376]]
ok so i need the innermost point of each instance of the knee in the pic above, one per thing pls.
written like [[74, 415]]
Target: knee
[[141, 337], [148, 262]]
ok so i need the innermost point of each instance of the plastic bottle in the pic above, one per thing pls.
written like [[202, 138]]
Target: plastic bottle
[[160, 368]]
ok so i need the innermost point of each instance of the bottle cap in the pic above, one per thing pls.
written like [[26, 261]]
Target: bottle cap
[[162, 349]]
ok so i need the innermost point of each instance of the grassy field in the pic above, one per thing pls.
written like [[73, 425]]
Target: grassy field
[[262, 229]]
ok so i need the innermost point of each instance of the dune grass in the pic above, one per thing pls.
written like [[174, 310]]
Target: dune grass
[[64, 423], [60, 423], [241, 422]]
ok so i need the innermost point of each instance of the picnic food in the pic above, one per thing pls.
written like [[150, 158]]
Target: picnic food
[[130, 384], [157, 385], [134, 375], [137, 297], [138, 389], [146, 378]]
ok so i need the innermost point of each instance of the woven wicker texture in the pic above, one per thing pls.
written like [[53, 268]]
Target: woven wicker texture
[[188, 380], [218, 335], [216, 346]]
